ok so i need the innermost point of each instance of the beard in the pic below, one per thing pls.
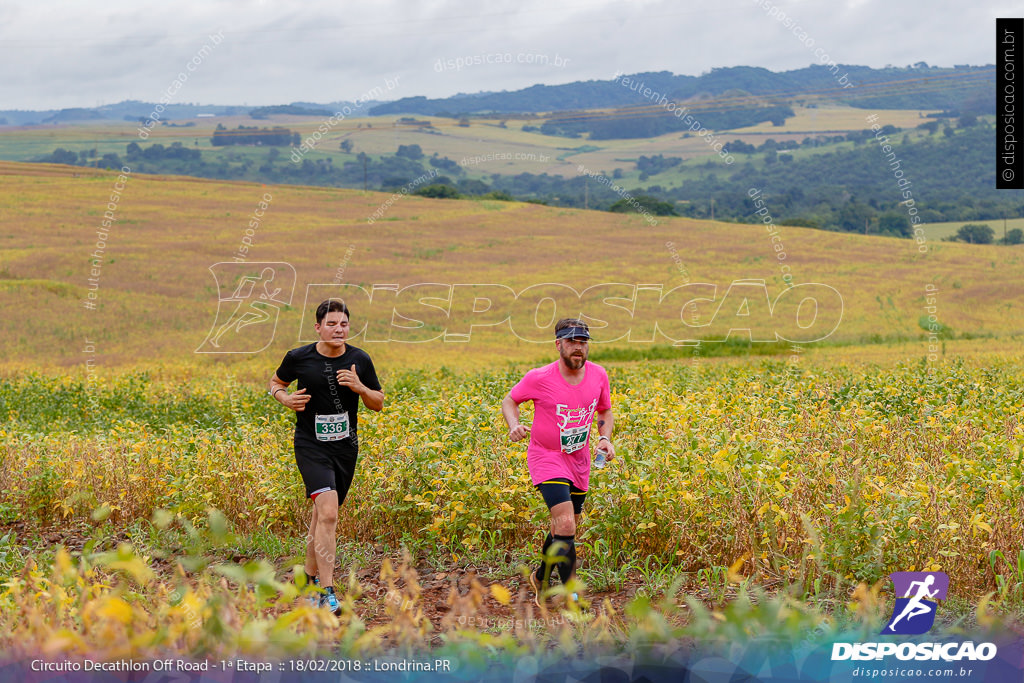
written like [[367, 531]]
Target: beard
[[574, 362]]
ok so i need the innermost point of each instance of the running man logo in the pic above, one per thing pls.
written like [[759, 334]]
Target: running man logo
[[249, 301], [914, 612]]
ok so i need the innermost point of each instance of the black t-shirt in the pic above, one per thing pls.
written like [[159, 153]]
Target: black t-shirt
[[318, 374]]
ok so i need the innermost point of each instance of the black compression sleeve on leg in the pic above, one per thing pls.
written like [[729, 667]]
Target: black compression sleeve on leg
[[567, 557], [544, 571]]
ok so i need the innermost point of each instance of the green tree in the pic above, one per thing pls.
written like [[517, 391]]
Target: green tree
[[503, 196], [646, 203], [1015, 236], [438, 192], [109, 161], [413, 152], [855, 217], [61, 156], [967, 120], [894, 224], [975, 233]]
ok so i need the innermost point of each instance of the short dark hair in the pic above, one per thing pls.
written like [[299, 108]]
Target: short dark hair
[[570, 322], [331, 306]]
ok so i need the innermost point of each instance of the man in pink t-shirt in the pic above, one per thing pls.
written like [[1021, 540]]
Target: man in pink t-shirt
[[568, 396]]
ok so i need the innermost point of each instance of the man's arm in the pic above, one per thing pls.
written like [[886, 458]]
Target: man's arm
[[372, 398], [510, 411], [605, 427], [279, 390]]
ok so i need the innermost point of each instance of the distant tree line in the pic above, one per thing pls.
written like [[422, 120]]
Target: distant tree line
[[291, 109], [653, 165], [623, 124], [964, 88], [157, 152], [973, 233], [842, 189], [254, 135], [833, 188]]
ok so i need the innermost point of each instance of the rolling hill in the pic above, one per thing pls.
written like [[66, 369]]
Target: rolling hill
[[157, 298]]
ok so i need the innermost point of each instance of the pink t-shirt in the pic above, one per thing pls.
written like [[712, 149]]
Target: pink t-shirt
[[562, 419]]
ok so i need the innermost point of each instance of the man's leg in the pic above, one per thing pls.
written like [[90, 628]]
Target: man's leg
[[563, 532], [311, 566], [325, 536], [556, 496], [579, 497], [318, 476], [576, 519]]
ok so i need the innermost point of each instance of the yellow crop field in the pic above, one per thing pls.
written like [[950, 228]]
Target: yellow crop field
[[806, 479]]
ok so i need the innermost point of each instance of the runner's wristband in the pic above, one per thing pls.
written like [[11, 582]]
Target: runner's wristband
[[274, 393], [604, 437]]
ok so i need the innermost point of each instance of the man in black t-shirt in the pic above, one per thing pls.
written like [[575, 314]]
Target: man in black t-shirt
[[332, 377]]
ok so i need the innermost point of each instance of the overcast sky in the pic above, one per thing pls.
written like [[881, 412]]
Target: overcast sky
[[64, 53]]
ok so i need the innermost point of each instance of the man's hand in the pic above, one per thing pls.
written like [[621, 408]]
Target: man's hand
[[296, 401], [606, 446], [605, 426], [349, 378], [519, 432]]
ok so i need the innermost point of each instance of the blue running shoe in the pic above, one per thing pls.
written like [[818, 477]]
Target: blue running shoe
[[314, 598], [330, 601]]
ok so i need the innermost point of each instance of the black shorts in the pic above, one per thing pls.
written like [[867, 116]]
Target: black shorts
[[325, 471], [562, 490]]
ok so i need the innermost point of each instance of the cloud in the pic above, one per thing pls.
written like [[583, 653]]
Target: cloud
[[71, 54]]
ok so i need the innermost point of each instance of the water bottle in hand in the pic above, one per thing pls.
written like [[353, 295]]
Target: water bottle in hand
[[600, 458]]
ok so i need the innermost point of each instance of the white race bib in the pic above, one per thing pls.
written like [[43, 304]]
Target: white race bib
[[331, 427], [574, 438]]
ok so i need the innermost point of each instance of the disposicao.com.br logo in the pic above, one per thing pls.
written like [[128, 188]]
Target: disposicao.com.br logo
[[913, 613]]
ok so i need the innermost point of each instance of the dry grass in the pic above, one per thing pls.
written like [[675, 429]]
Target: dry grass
[[157, 297]]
